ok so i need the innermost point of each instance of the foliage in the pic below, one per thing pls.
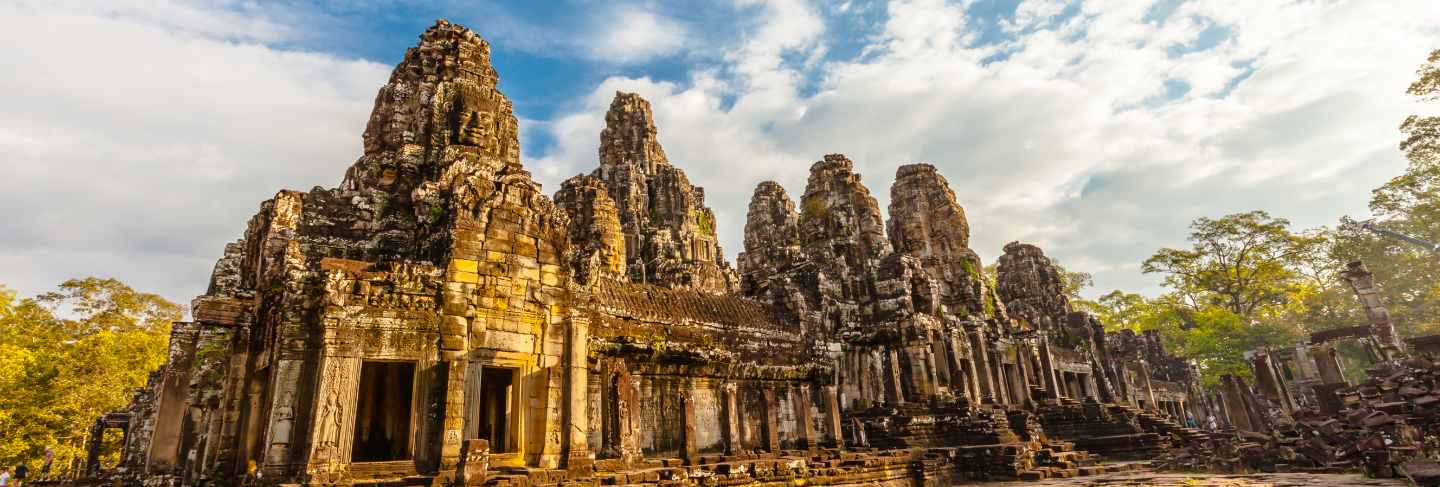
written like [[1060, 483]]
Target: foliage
[[1248, 281], [1073, 282], [69, 356], [1243, 262], [1218, 339]]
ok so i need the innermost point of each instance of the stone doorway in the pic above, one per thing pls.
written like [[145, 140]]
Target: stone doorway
[[497, 389], [382, 412]]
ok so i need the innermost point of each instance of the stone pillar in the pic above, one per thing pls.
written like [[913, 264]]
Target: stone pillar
[[454, 421], [963, 375], [730, 427], [283, 431], [578, 457], [894, 394], [1047, 370], [1327, 363], [1148, 389], [163, 454], [1235, 404], [623, 413], [985, 380], [1025, 358], [800, 400], [461, 277], [1268, 383], [832, 416], [689, 451], [769, 427], [1363, 283], [942, 364]]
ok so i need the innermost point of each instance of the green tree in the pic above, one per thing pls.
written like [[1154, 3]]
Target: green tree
[[1242, 262], [1409, 204], [69, 356], [1120, 310], [1241, 285]]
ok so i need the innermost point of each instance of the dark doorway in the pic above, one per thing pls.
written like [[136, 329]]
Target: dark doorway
[[495, 392], [382, 412]]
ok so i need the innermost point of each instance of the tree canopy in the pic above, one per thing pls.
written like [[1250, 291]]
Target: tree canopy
[[69, 356]]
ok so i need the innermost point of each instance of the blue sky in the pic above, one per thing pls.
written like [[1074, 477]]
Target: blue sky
[[139, 136]]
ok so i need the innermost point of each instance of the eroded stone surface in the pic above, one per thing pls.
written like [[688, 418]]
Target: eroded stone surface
[[669, 233]]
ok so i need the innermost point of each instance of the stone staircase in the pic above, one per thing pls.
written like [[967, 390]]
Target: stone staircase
[[1164, 424], [1115, 431]]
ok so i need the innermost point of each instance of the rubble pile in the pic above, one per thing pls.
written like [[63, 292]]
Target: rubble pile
[[1387, 429]]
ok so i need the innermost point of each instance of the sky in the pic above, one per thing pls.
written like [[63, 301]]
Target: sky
[[137, 138]]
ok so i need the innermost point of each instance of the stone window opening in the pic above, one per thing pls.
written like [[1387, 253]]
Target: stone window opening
[[383, 412]]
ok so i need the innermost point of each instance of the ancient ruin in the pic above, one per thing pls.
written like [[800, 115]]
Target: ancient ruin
[[438, 319]]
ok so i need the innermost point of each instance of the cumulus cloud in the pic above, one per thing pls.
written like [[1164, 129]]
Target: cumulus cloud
[[1097, 129], [138, 140], [629, 34]]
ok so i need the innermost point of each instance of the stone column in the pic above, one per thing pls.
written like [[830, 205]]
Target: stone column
[[730, 427], [894, 394], [1327, 363], [1145, 381], [1268, 383], [461, 277], [164, 454], [832, 416], [578, 457], [963, 376], [623, 413], [800, 400], [1047, 372], [942, 363], [1235, 404], [769, 427], [689, 451], [1025, 359], [983, 377]]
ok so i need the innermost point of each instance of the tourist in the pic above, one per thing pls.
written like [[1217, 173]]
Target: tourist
[[21, 471], [49, 458], [4, 476]]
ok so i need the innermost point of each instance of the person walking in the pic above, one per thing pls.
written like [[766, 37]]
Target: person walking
[[21, 472], [4, 476], [49, 458]]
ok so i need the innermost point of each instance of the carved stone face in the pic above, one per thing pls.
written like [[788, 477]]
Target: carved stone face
[[473, 127]]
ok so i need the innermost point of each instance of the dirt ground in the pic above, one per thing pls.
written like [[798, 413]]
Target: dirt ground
[[1149, 479]]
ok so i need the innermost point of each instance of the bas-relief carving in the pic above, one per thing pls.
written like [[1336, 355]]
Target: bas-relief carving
[[334, 417]]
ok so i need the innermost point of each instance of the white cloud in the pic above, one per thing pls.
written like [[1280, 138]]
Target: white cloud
[[630, 34], [1073, 141], [139, 139]]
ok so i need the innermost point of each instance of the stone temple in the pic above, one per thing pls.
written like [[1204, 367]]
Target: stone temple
[[438, 319]]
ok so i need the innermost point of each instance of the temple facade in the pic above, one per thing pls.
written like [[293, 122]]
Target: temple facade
[[438, 318]]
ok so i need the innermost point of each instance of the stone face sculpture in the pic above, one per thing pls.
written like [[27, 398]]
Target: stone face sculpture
[[669, 234], [928, 223]]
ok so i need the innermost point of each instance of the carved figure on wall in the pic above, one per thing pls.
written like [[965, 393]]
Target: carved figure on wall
[[284, 418]]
